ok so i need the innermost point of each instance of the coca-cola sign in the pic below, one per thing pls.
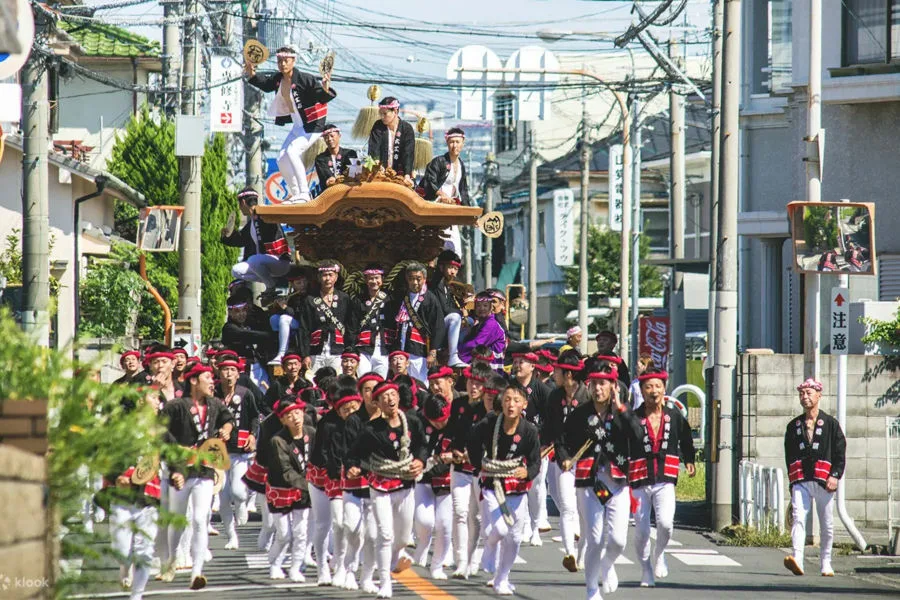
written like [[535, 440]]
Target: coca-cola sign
[[654, 340]]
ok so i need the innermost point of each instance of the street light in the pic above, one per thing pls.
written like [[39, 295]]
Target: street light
[[491, 174]]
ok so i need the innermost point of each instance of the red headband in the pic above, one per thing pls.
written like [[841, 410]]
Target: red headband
[[392, 105], [491, 391], [210, 352], [529, 356], [467, 373], [288, 357], [345, 399], [483, 356], [455, 134], [544, 368], [566, 367], [197, 371], [296, 405], [612, 359], [227, 353], [400, 352], [611, 376], [440, 373], [662, 375], [373, 272], [352, 355], [452, 263], [229, 363], [368, 377], [445, 413], [125, 355], [384, 387], [156, 355], [179, 351]]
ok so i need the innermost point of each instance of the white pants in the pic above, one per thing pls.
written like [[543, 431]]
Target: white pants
[[661, 498], [498, 531], [607, 530], [283, 324], [320, 526], [452, 322], [261, 268], [562, 489], [376, 362], [290, 160], [418, 368], [394, 519], [537, 499], [133, 530], [290, 528], [267, 529], [359, 525], [464, 493], [326, 360], [433, 522], [802, 496], [234, 491], [200, 493]]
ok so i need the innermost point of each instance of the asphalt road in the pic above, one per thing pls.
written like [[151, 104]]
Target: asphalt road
[[698, 567]]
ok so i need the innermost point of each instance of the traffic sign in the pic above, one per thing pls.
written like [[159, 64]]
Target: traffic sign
[[840, 320]]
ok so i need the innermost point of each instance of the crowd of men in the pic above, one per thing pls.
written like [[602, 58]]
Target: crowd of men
[[408, 425]]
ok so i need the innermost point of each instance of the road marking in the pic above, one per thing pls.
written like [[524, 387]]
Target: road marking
[[421, 587], [257, 561], [520, 560], [216, 589], [697, 559]]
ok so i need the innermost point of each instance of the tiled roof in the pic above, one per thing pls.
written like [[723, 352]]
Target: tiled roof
[[109, 40]]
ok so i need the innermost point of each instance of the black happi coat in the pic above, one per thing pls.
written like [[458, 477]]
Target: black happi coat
[[378, 438], [403, 151], [269, 239], [358, 486], [316, 327], [524, 444], [418, 341], [437, 441], [182, 431], [556, 411], [538, 395], [611, 438], [279, 387], [246, 417], [369, 314], [435, 176], [287, 476], [257, 474], [648, 467], [308, 95], [253, 339], [441, 291], [330, 165], [817, 460]]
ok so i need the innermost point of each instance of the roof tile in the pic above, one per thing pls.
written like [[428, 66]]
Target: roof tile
[[109, 40]]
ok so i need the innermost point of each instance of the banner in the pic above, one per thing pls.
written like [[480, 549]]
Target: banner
[[616, 170], [226, 100], [654, 340], [564, 224]]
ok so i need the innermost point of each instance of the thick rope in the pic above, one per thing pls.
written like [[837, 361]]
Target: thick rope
[[394, 469]]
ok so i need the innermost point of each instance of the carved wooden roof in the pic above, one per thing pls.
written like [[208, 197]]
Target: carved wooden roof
[[370, 205]]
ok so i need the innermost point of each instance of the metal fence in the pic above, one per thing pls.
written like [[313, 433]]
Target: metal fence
[[892, 440], [762, 496]]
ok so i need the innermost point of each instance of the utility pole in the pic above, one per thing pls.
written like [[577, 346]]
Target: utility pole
[[625, 245], [636, 225], [715, 109], [171, 58], [532, 235], [583, 290], [678, 366], [35, 194], [253, 129], [813, 139], [726, 281], [189, 291], [488, 207]]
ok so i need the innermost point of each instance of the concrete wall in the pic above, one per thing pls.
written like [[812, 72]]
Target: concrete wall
[[769, 400]]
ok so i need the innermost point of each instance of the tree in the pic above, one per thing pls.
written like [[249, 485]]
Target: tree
[[111, 294], [604, 253], [144, 158], [216, 258]]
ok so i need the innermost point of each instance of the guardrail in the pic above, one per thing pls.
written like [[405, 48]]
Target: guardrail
[[762, 496]]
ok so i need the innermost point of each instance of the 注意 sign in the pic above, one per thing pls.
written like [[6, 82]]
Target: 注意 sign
[[654, 340]]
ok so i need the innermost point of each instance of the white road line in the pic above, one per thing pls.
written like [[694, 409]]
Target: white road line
[[520, 561], [704, 560], [257, 561], [209, 589]]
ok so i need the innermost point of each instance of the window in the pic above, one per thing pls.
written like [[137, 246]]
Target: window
[[655, 225], [541, 224], [871, 31], [772, 37], [505, 122]]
